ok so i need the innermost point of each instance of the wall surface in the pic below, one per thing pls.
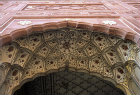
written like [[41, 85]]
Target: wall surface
[[122, 14]]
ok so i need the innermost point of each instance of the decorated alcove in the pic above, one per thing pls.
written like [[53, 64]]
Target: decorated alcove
[[78, 49]]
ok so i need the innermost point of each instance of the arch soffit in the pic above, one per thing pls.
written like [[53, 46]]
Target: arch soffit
[[113, 71]]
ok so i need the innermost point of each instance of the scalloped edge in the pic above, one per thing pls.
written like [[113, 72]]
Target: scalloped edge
[[135, 37]]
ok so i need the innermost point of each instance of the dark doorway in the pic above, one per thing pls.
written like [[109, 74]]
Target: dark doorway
[[68, 83]]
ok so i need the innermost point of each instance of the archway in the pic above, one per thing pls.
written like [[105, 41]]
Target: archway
[[77, 49], [68, 83]]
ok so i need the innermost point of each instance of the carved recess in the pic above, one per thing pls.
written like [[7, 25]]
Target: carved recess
[[65, 9], [38, 7], [77, 49]]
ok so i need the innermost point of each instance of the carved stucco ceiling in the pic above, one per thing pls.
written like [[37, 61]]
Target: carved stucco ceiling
[[76, 49]]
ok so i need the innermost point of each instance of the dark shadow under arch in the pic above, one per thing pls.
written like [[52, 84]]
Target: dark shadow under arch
[[68, 83]]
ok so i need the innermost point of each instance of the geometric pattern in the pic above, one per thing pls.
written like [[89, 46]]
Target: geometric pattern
[[68, 83], [55, 49]]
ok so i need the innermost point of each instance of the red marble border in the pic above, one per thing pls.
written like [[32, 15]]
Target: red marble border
[[73, 24]]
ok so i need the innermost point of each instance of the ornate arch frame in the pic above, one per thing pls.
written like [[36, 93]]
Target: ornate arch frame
[[132, 39], [52, 71]]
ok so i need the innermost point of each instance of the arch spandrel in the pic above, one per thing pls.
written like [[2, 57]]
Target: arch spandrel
[[77, 49]]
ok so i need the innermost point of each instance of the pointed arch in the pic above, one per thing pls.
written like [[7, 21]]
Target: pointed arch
[[83, 48]]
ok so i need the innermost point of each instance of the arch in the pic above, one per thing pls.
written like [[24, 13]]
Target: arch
[[87, 83], [78, 48]]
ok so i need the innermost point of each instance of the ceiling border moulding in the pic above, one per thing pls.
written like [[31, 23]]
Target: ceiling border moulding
[[73, 24]]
